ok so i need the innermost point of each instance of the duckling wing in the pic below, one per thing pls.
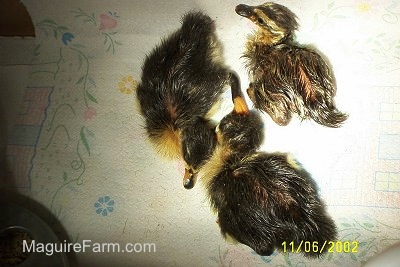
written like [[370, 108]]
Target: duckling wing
[[315, 78], [295, 71], [316, 84]]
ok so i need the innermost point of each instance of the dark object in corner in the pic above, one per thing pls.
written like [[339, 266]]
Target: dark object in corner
[[15, 19]]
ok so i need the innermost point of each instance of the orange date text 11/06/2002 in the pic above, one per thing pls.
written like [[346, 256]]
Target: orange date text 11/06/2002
[[315, 247]]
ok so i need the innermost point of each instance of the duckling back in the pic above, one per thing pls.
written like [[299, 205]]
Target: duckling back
[[182, 78], [263, 200]]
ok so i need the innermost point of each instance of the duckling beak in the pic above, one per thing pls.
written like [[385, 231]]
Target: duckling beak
[[239, 106], [244, 10], [190, 178]]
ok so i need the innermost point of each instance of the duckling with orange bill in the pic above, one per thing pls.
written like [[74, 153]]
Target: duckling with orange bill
[[181, 84], [285, 77], [262, 199]]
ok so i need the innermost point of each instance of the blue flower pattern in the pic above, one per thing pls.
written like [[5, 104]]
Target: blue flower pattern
[[104, 205], [67, 37]]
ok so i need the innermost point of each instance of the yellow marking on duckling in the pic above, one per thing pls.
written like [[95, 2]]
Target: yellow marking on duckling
[[220, 137], [215, 164], [251, 94], [267, 35], [216, 51], [168, 143], [293, 162], [240, 106], [230, 239]]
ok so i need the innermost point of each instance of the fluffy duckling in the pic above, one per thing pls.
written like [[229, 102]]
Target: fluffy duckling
[[262, 199], [287, 78], [182, 80]]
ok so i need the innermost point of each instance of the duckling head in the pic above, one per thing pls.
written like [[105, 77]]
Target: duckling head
[[241, 130], [198, 143], [275, 22], [241, 133]]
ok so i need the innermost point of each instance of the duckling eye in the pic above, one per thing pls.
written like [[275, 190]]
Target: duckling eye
[[260, 20]]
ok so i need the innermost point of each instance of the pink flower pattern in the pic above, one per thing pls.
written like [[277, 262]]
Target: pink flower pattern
[[89, 113], [107, 22]]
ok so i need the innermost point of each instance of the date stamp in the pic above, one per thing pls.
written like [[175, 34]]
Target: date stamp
[[316, 247]]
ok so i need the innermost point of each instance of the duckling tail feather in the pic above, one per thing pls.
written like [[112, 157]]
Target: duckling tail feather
[[195, 25], [329, 116]]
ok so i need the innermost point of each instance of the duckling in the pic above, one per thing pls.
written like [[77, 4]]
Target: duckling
[[262, 199], [287, 78], [181, 83]]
